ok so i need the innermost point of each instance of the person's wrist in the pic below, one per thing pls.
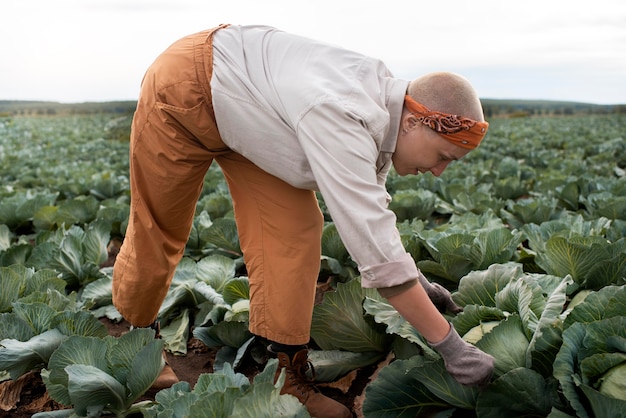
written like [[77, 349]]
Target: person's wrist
[[388, 292], [444, 335]]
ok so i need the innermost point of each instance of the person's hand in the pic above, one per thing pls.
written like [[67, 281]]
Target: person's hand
[[466, 363], [439, 296]]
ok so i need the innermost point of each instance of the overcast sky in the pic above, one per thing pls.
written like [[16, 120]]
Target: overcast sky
[[98, 50]]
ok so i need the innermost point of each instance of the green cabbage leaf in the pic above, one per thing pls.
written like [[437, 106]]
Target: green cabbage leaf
[[226, 394], [109, 374], [591, 357]]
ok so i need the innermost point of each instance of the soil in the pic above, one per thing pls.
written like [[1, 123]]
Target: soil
[[27, 395]]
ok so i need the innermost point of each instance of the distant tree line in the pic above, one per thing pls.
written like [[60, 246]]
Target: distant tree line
[[37, 108], [526, 108], [493, 108]]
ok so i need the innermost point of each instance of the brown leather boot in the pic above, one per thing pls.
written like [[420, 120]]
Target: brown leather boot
[[298, 384]]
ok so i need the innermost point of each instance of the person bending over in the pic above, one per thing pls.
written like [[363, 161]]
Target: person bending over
[[285, 116]]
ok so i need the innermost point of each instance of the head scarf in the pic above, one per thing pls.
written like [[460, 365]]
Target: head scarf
[[461, 131]]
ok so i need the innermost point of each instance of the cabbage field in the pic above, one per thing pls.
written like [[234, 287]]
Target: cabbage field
[[528, 233]]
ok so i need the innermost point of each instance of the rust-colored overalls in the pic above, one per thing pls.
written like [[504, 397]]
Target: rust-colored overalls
[[174, 140]]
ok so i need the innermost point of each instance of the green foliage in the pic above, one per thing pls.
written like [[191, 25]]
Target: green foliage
[[584, 366], [410, 204], [228, 394], [523, 338], [468, 195], [410, 388], [96, 375], [19, 208], [330, 365], [592, 261], [19, 282], [527, 231], [217, 204], [76, 253], [38, 319], [536, 396], [335, 258], [468, 243], [529, 211], [607, 205], [339, 324], [607, 302]]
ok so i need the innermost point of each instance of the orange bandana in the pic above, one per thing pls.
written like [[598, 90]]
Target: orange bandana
[[464, 132]]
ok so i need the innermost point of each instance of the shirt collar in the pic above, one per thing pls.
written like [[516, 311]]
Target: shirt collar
[[395, 91]]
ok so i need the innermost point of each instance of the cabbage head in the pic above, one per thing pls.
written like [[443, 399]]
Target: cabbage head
[[613, 383], [591, 367], [475, 334]]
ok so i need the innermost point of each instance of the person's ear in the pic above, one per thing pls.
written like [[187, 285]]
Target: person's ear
[[409, 122]]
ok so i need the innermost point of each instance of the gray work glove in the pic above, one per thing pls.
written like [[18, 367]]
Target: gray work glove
[[466, 363], [439, 296]]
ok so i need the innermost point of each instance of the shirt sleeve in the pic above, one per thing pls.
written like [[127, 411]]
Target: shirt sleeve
[[341, 148]]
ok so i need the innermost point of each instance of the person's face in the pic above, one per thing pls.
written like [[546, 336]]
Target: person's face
[[419, 149]]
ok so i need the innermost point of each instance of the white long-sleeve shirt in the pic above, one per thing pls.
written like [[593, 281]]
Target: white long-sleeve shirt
[[322, 118]]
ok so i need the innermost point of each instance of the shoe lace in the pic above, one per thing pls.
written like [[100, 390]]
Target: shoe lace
[[302, 379]]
